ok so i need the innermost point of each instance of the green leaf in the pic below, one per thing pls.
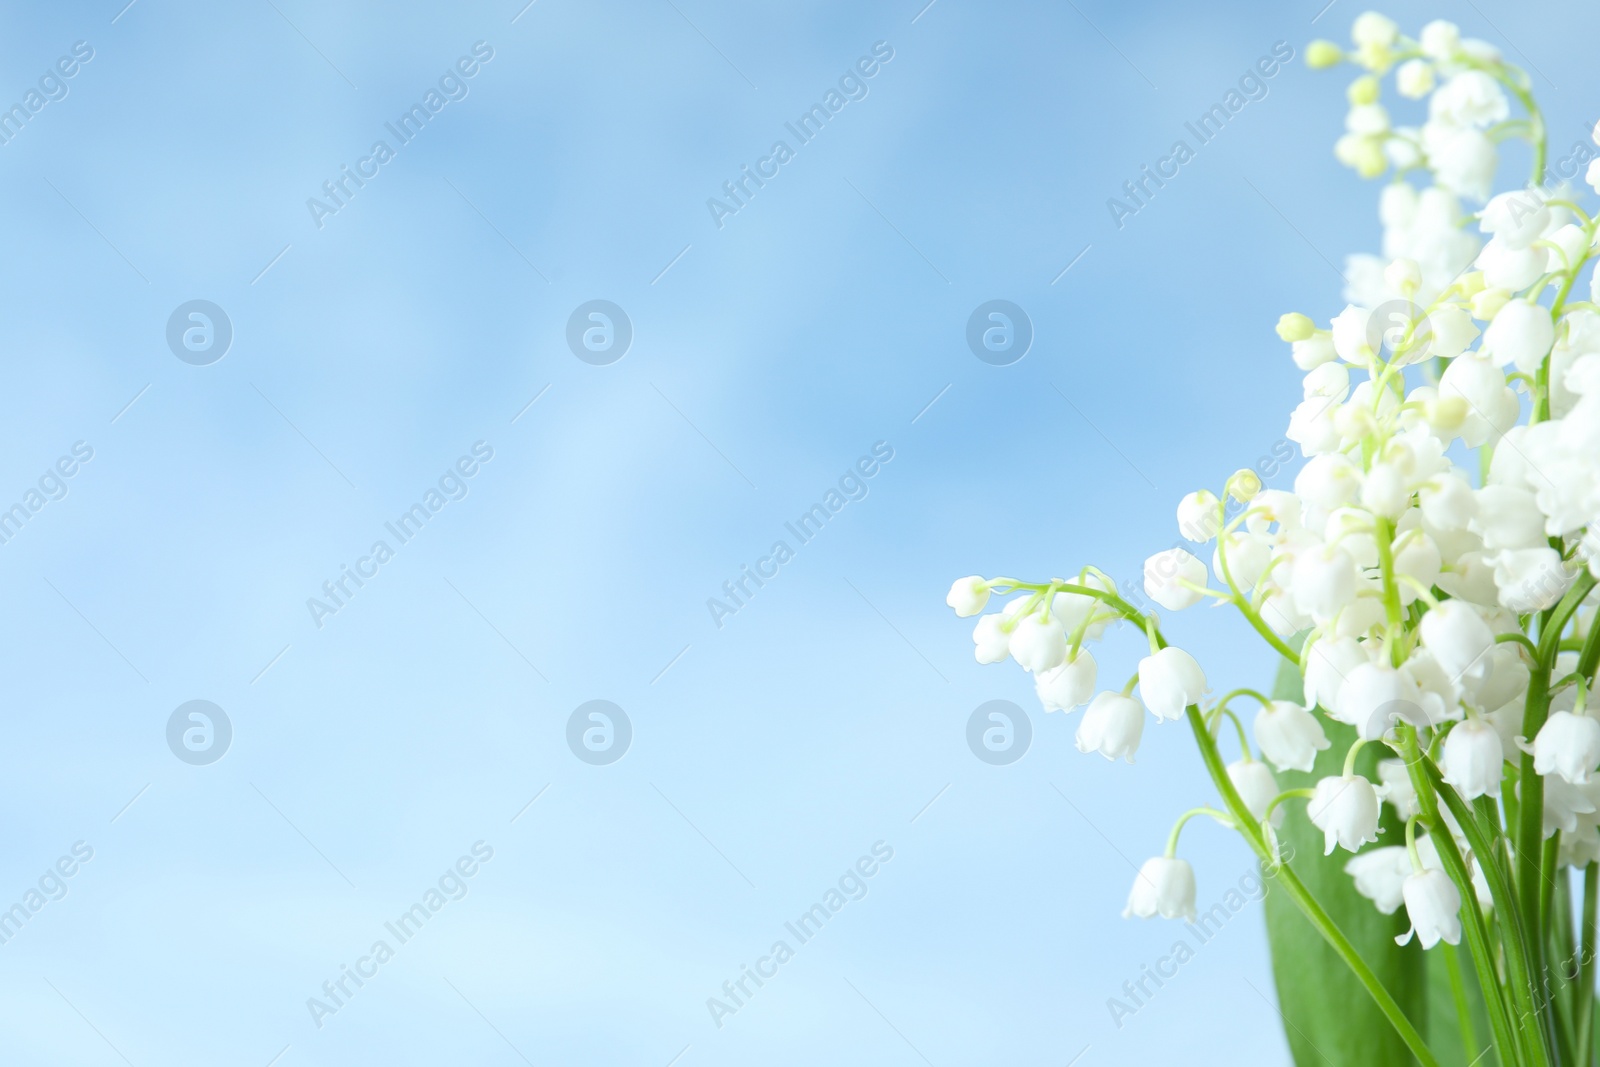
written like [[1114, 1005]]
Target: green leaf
[[1329, 1019], [1443, 1029]]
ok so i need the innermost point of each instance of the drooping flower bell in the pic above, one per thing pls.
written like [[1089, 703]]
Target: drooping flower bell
[[1568, 746], [1473, 760], [1434, 905], [968, 595], [1069, 686], [1111, 726], [1345, 809], [1257, 788], [1170, 680], [1289, 735], [1164, 886]]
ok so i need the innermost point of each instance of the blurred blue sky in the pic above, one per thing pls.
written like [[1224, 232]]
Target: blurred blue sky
[[371, 352]]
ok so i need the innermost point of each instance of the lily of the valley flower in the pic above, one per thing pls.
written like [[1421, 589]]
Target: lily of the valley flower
[[1345, 809], [1170, 680], [1069, 686], [1257, 788], [1568, 745], [1473, 760], [1289, 735], [1164, 886], [1434, 905], [1111, 726]]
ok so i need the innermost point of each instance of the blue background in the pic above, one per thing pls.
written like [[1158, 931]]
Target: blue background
[[767, 754]]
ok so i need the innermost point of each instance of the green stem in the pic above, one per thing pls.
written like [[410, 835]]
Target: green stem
[[1585, 988], [1519, 973], [1308, 905], [1458, 993], [1423, 776]]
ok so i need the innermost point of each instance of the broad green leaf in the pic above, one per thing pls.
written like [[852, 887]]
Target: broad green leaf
[[1329, 1018], [1443, 1031]]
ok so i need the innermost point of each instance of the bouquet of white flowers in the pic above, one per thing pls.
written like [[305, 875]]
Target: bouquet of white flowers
[[1430, 585]]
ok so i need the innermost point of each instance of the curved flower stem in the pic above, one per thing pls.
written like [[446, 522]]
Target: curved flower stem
[[1177, 828], [1308, 905], [1251, 615], [1287, 794], [1244, 738]]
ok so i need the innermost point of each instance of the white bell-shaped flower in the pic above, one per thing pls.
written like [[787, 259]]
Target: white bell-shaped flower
[[1164, 886], [1521, 333], [1170, 680], [1165, 575], [1434, 905], [1257, 788], [968, 596], [1473, 760], [1375, 696], [1345, 809], [1568, 745], [1516, 219], [1458, 638], [1037, 643], [1324, 581], [1379, 874], [1327, 664], [1395, 788], [993, 643], [1199, 516], [1112, 726], [1069, 686], [1289, 735]]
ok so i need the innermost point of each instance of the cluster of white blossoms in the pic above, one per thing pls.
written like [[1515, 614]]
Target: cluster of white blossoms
[[1432, 572]]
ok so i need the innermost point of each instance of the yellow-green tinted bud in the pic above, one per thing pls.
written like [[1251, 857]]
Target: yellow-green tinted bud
[[1364, 90], [1295, 327], [1471, 283], [1322, 54], [1487, 304], [1244, 485]]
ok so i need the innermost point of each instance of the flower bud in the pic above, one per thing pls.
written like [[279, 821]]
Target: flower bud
[[1364, 90], [1199, 516], [1243, 485], [968, 596], [1165, 887], [1486, 303], [1293, 326], [1414, 79], [1322, 54], [1345, 809]]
